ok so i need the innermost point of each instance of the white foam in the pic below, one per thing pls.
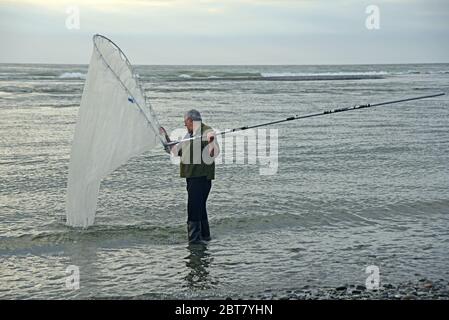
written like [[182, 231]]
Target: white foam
[[317, 74], [72, 75]]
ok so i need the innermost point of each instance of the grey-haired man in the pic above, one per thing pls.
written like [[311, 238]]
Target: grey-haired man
[[197, 166]]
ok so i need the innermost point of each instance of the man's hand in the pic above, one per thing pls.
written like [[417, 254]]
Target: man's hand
[[167, 138], [210, 136], [164, 133], [213, 146]]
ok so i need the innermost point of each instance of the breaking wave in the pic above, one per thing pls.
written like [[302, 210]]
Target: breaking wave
[[281, 76], [72, 75]]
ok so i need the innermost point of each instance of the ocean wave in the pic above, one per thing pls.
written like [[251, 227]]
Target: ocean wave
[[281, 76], [321, 74], [205, 75], [310, 218], [16, 89], [45, 89], [412, 72], [72, 75], [59, 234], [63, 235]]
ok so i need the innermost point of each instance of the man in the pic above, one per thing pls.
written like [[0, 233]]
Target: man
[[198, 167]]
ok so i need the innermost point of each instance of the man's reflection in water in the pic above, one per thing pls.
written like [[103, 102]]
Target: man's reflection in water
[[198, 262]]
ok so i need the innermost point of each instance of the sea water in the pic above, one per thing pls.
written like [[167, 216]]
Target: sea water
[[351, 190]]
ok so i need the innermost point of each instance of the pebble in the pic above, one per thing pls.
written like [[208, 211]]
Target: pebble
[[388, 286], [428, 285], [422, 294], [425, 289]]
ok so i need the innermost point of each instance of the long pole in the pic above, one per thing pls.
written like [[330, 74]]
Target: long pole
[[317, 114]]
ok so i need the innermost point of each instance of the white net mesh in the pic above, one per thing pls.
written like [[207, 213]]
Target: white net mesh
[[114, 124]]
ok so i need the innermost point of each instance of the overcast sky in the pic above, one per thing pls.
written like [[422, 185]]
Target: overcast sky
[[228, 31]]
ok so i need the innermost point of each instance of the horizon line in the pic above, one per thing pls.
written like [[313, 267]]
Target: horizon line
[[236, 64]]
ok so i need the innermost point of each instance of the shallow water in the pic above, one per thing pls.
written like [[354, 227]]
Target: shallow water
[[351, 190]]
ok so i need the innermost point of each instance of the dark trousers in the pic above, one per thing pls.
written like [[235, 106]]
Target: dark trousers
[[198, 189]]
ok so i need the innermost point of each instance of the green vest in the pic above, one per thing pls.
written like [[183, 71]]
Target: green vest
[[189, 169]]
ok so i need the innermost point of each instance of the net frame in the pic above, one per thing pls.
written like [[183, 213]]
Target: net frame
[[143, 109]]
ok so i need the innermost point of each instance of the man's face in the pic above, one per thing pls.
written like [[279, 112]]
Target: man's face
[[188, 122]]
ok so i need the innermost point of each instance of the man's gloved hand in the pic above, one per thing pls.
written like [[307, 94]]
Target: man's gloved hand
[[167, 138], [164, 133]]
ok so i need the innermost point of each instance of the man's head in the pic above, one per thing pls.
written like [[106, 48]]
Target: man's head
[[189, 117]]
